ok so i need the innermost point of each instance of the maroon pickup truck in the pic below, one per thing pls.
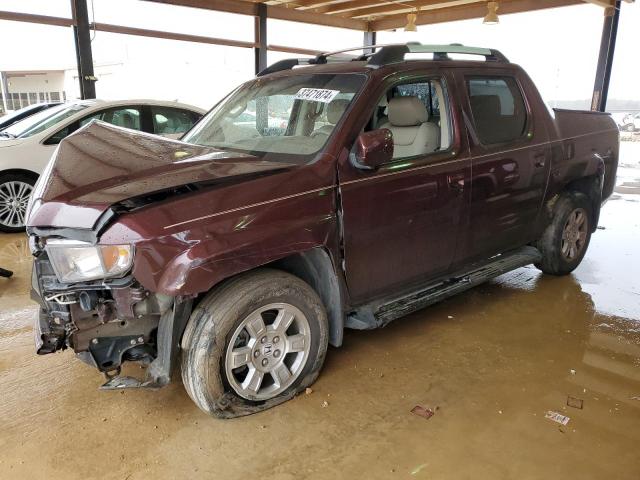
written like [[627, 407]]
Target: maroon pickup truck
[[343, 191]]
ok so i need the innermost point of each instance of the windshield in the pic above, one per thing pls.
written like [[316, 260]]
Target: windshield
[[287, 115], [42, 120]]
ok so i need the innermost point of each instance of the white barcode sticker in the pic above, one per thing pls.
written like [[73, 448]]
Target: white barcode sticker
[[316, 94]]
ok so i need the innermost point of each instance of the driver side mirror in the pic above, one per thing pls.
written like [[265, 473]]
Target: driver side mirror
[[373, 149]]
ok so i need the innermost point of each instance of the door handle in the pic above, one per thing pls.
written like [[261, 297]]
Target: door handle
[[456, 182]]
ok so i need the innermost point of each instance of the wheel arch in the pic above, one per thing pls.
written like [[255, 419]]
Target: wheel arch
[[317, 268], [19, 171], [590, 186]]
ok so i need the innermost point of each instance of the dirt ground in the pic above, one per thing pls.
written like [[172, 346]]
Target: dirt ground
[[491, 363]]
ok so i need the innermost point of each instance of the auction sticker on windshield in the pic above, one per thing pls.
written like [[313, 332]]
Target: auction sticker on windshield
[[316, 94]]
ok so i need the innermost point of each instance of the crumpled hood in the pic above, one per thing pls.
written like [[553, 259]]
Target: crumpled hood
[[101, 165]]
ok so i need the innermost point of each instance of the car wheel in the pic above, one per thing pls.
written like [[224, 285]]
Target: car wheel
[[15, 189], [253, 343], [566, 239]]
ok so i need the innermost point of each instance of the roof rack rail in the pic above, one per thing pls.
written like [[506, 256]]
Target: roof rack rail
[[289, 63], [396, 53], [387, 54]]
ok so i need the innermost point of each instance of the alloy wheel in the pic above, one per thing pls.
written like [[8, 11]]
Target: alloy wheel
[[14, 197], [268, 351], [574, 234]]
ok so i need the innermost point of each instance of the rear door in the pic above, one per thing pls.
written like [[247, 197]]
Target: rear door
[[401, 221], [510, 159]]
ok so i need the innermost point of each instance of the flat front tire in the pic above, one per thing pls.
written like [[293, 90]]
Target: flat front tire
[[253, 342], [565, 241]]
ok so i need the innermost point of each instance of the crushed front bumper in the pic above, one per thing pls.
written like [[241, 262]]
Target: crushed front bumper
[[122, 322]]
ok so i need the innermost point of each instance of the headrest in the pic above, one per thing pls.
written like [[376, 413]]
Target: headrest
[[488, 105], [335, 110], [407, 112]]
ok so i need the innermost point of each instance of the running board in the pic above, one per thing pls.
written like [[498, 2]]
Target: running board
[[378, 315]]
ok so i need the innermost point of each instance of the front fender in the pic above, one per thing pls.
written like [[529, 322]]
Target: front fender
[[193, 261]]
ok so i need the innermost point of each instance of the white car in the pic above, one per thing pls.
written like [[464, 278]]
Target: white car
[[27, 146]]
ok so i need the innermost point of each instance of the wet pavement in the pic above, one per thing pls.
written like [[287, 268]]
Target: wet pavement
[[491, 363]]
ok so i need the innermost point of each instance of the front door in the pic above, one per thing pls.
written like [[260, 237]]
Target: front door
[[510, 157], [401, 221]]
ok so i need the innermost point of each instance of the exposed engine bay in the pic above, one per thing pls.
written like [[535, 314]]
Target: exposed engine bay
[[107, 323]]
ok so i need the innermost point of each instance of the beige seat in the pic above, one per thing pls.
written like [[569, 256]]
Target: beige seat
[[412, 133], [335, 109]]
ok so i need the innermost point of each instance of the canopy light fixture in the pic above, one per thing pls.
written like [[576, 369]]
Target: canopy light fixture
[[411, 22], [492, 14]]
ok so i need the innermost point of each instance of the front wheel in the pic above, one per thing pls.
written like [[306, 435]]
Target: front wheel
[[252, 343], [15, 190], [565, 241]]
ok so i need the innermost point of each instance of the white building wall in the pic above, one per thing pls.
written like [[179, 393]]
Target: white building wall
[[34, 87]]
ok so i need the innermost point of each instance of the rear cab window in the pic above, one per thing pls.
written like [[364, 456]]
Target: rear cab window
[[498, 108]]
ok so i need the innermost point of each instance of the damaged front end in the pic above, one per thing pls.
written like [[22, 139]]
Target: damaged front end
[[89, 211], [107, 322]]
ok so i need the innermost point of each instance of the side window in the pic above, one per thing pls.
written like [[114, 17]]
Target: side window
[[87, 119], [420, 90], [412, 111], [124, 117], [127, 117], [172, 122], [57, 137], [498, 109]]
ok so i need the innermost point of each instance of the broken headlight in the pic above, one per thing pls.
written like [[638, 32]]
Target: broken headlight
[[80, 262]]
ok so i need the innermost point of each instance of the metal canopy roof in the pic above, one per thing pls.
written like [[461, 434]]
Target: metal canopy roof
[[376, 15], [369, 16]]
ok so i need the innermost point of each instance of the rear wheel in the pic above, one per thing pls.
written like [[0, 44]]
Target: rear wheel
[[15, 190], [565, 241], [253, 342]]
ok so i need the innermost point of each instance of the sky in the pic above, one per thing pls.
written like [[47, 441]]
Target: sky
[[557, 47]]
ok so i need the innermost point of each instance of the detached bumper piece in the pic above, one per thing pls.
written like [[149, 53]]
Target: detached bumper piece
[[118, 382]]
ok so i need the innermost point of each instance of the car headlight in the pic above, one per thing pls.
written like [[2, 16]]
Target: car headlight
[[81, 262]]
